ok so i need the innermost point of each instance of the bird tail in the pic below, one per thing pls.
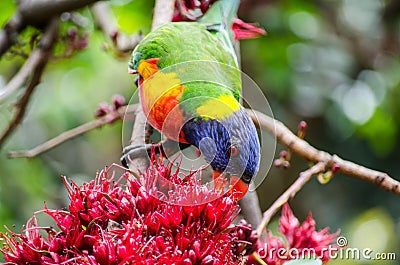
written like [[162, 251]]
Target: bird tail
[[219, 20], [221, 12]]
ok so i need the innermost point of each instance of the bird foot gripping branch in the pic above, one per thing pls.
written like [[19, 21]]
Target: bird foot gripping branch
[[165, 148]]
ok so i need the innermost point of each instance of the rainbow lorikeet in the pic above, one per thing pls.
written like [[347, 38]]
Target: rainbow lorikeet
[[189, 87]]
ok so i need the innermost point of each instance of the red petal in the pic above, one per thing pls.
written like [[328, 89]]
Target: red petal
[[243, 30], [288, 224]]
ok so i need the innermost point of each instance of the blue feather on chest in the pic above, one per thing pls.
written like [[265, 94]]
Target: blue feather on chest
[[217, 138]]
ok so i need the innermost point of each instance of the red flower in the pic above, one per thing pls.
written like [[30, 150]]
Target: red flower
[[299, 240], [243, 30], [191, 10], [305, 236], [246, 242], [160, 218]]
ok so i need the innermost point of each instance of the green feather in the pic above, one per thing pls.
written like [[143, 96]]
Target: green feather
[[222, 13], [176, 43]]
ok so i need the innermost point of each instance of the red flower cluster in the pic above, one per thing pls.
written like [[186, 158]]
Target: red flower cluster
[[191, 10], [136, 221], [301, 241]]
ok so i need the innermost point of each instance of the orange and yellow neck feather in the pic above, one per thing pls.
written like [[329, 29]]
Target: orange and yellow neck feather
[[148, 67]]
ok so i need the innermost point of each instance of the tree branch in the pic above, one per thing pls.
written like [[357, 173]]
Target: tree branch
[[250, 208], [37, 63], [36, 13], [163, 13], [303, 178], [67, 135], [107, 23], [275, 127], [9, 33], [249, 204], [22, 76], [304, 149]]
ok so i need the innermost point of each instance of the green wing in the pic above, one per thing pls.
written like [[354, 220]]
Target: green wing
[[183, 41], [176, 44]]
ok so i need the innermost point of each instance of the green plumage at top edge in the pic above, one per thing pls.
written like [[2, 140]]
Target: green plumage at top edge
[[180, 42]]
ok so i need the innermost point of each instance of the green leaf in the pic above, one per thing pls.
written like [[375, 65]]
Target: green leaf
[[381, 131], [7, 8]]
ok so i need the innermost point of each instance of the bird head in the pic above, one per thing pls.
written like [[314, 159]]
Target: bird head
[[230, 146]]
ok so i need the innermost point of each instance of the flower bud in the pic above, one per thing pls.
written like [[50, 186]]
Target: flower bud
[[118, 101], [284, 154], [335, 168], [102, 110]]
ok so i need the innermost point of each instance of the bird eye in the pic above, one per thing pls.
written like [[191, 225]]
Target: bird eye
[[246, 178], [233, 150]]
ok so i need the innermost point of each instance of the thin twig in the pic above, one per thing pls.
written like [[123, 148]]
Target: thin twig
[[108, 24], [303, 178], [22, 76], [163, 12], [41, 56], [67, 135], [307, 151]]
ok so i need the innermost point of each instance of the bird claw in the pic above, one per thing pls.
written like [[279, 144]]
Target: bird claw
[[165, 148], [133, 151]]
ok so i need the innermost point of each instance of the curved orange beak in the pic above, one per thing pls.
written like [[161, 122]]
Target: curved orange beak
[[237, 187]]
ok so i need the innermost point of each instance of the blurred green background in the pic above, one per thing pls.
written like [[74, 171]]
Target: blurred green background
[[334, 64]]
